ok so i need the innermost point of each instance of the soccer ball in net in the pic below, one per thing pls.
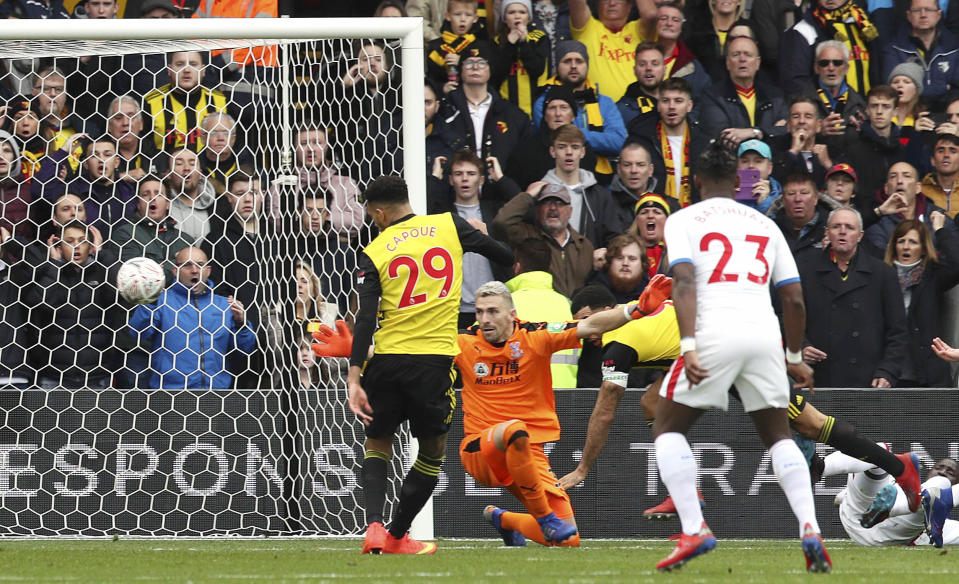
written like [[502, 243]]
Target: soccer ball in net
[[140, 280]]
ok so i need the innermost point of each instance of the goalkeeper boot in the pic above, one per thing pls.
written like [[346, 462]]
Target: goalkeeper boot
[[512, 538], [817, 558], [687, 548], [407, 545], [936, 504], [881, 506], [909, 479], [666, 510], [555, 530], [375, 538]]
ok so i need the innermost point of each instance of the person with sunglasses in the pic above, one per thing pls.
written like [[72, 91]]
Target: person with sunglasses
[[842, 107]]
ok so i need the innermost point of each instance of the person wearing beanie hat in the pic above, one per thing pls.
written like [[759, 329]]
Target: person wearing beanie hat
[[562, 93], [565, 47], [649, 225], [529, 163], [911, 70], [525, 50], [596, 114], [160, 9], [907, 80], [929, 44], [610, 37]]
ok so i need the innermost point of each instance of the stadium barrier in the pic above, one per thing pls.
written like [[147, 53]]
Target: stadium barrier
[[193, 463]]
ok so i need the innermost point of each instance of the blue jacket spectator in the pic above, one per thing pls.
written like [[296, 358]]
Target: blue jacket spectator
[[606, 133], [940, 62], [192, 329]]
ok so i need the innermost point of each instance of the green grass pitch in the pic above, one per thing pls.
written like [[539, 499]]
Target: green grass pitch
[[460, 561]]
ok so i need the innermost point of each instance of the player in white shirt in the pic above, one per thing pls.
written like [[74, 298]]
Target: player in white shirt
[[874, 510], [723, 256]]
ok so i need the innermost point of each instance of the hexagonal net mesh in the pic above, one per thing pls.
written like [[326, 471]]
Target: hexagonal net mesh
[[200, 408]]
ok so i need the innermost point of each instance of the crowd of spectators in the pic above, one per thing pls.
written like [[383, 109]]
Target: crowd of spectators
[[566, 128]]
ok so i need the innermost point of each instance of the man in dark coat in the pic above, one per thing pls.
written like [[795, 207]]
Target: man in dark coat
[[505, 126], [856, 332], [802, 218], [743, 106]]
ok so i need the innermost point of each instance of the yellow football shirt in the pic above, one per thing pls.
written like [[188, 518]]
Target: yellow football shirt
[[420, 266], [611, 55]]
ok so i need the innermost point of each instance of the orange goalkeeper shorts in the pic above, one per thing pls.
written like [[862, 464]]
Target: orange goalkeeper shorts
[[487, 464]]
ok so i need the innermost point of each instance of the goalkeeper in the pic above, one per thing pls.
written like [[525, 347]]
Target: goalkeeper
[[509, 409]]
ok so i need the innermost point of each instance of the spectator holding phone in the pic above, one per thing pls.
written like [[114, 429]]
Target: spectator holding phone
[[757, 188]]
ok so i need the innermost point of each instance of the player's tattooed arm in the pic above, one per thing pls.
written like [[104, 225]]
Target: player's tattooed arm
[[596, 433]]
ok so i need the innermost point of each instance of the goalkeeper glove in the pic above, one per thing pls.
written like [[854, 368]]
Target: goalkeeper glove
[[333, 344], [658, 290]]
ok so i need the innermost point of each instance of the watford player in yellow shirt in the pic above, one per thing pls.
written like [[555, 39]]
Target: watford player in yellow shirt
[[410, 278]]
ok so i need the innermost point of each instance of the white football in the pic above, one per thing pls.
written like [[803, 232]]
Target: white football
[[140, 280]]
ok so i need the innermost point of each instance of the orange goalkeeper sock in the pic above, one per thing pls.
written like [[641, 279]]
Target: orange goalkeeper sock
[[522, 467], [528, 526]]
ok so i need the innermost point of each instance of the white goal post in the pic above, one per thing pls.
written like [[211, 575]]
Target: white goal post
[[185, 462]]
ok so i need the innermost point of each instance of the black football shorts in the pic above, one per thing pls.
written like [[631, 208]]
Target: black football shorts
[[418, 388]]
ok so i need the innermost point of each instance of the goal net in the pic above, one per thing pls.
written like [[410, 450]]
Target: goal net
[[234, 161]]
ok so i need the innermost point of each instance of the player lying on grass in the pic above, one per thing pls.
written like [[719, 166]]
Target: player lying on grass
[[508, 406], [874, 511]]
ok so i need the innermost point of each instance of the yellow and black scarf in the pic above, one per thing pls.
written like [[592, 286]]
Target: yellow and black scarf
[[850, 25], [834, 104], [452, 43], [683, 195]]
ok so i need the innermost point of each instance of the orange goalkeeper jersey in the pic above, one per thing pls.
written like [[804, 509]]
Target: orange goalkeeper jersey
[[513, 382]]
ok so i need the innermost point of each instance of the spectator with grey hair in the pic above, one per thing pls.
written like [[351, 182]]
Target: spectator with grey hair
[[856, 332], [136, 157], [841, 106], [220, 158], [844, 20]]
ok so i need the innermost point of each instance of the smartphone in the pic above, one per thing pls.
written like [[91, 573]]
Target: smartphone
[[747, 178]]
